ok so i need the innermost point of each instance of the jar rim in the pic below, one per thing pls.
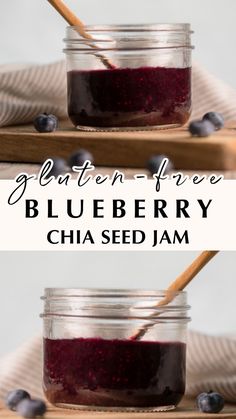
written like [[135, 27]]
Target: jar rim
[[149, 27], [50, 293], [128, 37], [114, 303]]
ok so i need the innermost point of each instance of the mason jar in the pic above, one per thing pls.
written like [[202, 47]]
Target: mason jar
[[114, 349], [129, 77]]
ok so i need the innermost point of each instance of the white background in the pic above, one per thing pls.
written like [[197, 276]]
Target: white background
[[25, 274], [21, 233], [30, 30]]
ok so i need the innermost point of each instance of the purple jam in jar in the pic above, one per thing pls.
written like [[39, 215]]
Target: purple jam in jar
[[130, 97], [114, 373]]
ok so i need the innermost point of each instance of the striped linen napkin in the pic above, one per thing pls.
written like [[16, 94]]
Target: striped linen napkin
[[211, 365], [27, 90]]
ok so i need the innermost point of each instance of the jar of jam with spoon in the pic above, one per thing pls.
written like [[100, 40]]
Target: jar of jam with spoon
[[114, 349], [129, 77]]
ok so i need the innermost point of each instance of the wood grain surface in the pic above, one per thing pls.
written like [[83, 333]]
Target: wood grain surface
[[186, 410], [125, 149]]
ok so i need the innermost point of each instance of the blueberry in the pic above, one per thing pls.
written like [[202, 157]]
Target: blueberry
[[79, 158], [31, 408], [155, 161], [45, 123], [215, 118], [210, 402], [202, 128], [15, 397], [59, 167]]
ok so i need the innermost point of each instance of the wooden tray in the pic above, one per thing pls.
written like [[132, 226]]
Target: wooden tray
[[123, 149], [187, 410]]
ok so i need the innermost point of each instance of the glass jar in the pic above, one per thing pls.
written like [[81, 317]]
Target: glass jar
[[129, 77], [114, 349]]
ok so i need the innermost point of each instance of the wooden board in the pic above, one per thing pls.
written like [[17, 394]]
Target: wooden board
[[186, 410], [127, 149]]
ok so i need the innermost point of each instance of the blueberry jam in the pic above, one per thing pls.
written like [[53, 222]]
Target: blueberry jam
[[114, 373], [129, 97]]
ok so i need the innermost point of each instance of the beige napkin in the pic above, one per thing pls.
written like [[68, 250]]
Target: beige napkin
[[211, 365], [26, 91]]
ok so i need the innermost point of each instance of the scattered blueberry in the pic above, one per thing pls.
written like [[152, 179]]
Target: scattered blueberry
[[202, 128], [31, 408], [59, 167], [215, 118], [210, 402], [79, 158], [155, 161], [45, 123], [15, 397]]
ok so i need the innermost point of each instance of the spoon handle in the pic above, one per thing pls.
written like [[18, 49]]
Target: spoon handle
[[65, 12], [192, 270], [178, 285], [73, 20]]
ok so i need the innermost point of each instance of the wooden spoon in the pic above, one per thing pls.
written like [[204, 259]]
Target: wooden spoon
[[178, 285], [73, 20]]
